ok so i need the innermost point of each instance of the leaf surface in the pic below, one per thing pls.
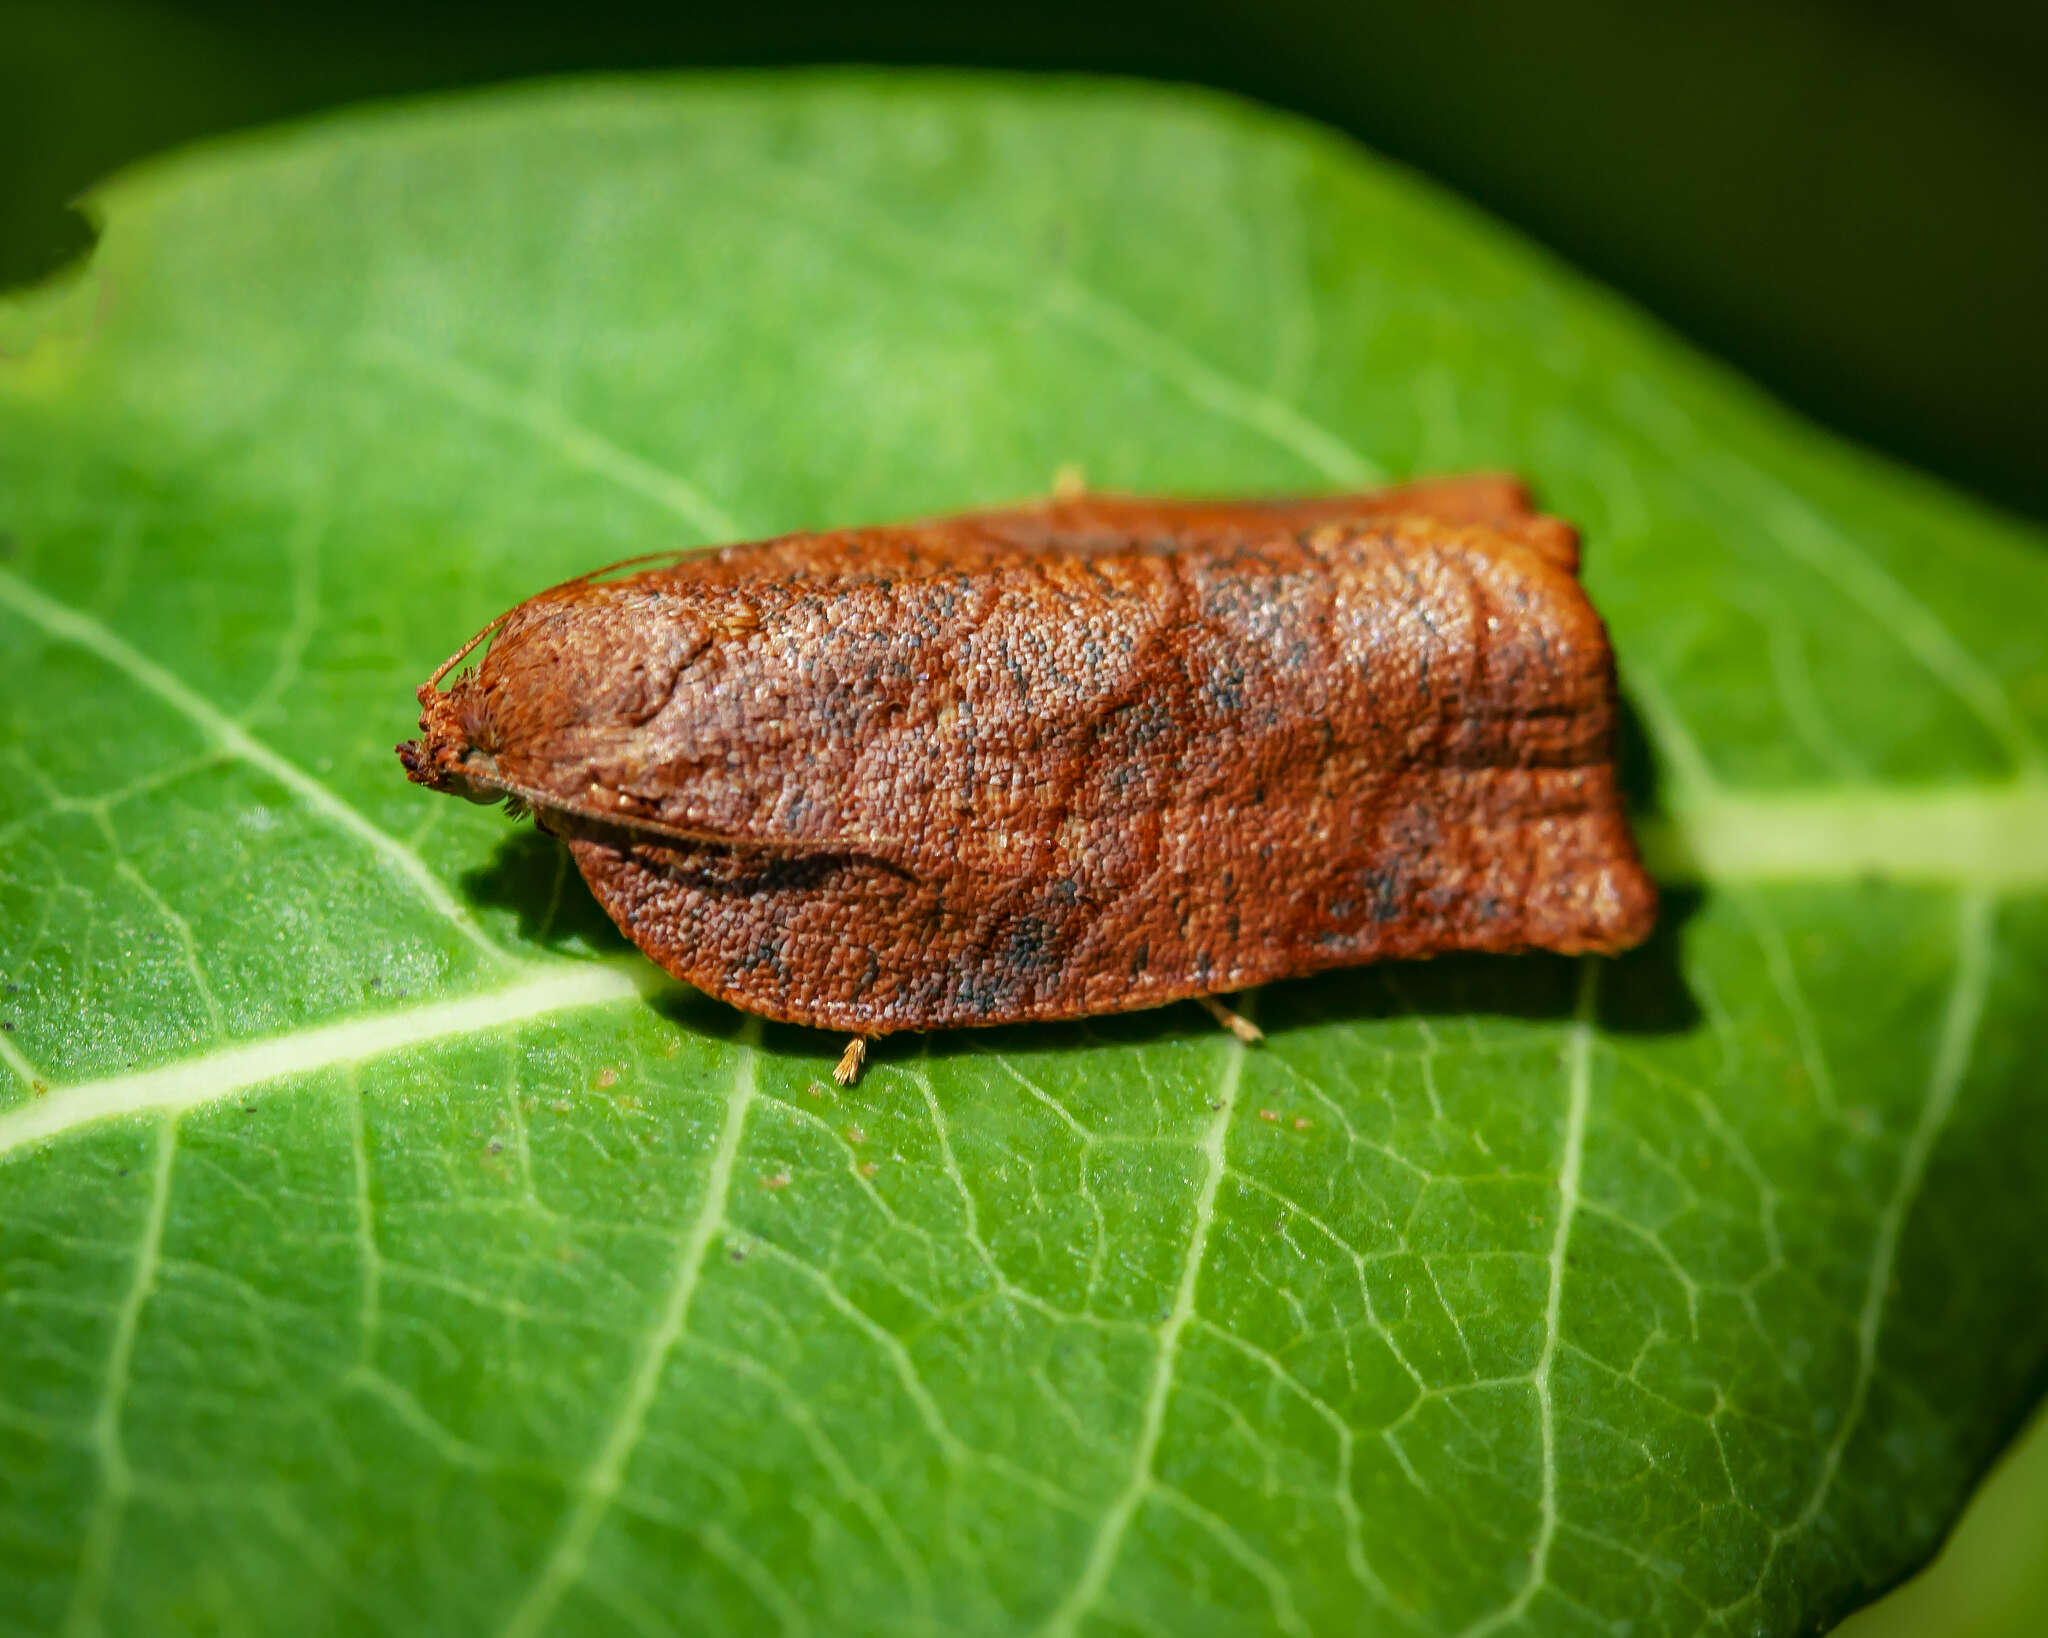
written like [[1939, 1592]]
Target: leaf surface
[[385, 1247]]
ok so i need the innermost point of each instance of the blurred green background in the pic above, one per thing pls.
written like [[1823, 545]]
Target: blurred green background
[[1845, 199]]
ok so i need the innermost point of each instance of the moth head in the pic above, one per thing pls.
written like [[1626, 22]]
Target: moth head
[[452, 753], [549, 711]]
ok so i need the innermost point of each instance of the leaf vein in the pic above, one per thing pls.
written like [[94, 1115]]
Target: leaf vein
[[570, 1555], [1102, 317], [185, 1083], [68, 625], [558, 431], [1088, 1588], [1578, 1098], [117, 1478], [1975, 945]]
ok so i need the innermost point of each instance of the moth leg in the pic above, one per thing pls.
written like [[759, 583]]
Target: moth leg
[[847, 1071], [1243, 1028]]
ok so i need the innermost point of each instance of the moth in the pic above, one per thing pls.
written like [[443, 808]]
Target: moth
[[1081, 756]]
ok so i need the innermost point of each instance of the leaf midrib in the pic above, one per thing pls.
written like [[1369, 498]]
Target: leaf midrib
[[1989, 841], [542, 991], [231, 739]]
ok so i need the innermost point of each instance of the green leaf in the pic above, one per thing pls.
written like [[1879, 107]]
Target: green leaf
[[384, 1246]]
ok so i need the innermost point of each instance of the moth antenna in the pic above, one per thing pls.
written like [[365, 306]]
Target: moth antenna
[[462, 653], [433, 683], [626, 563]]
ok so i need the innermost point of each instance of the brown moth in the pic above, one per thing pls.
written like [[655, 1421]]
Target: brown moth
[[1083, 756]]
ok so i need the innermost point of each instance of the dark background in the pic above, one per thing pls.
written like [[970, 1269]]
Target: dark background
[[1847, 199]]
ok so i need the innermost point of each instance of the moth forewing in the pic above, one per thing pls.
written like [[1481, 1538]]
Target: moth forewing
[[1082, 756]]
